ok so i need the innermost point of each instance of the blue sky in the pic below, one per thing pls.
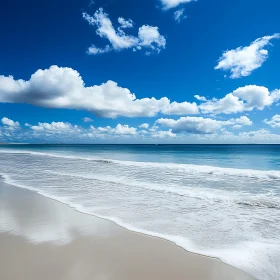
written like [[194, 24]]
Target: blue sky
[[150, 71]]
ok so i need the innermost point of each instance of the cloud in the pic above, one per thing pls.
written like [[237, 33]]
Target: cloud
[[54, 126], [86, 119], [148, 38], [125, 130], [144, 125], [10, 123], [59, 87], [168, 4], [125, 23], [184, 108], [274, 122], [95, 50], [243, 99], [163, 134], [64, 132], [242, 61], [193, 125], [242, 121], [259, 136], [200, 125], [62, 87], [200, 98], [179, 15]]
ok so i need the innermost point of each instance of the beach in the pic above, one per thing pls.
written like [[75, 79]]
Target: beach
[[41, 238]]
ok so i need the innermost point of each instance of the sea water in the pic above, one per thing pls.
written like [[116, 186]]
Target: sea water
[[218, 200]]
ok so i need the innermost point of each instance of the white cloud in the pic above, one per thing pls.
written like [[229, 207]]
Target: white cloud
[[168, 4], [54, 126], [103, 129], [118, 130], [148, 38], [59, 87], [200, 125], [242, 61], [200, 98], [10, 123], [125, 130], [94, 50], [64, 132], [144, 125], [242, 99], [259, 136], [86, 119], [125, 23], [242, 121], [274, 122], [163, 134], [179, 15], [193, 125], [183, 108]]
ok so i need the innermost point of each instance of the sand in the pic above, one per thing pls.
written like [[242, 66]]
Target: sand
[[44, 239]]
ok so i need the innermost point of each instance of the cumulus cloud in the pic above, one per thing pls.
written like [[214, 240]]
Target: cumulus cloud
[[193, 125], [148, 38], [10, 123], [243, 99], [64, 132], [144, 125], [200, 125], [67, 131], [274, 122], [179, 15], [163, 134], [184, 108], [54, 126], [168, 4], [118, 130], [242, 121], [62, 87], [242, 61], [125, 130], [59, 87]]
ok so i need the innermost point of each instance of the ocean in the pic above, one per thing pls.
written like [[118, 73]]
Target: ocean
[[217, 200]]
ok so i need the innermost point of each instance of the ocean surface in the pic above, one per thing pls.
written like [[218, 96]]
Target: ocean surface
[[216, 200]]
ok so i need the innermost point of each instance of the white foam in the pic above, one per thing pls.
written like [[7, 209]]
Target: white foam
[[186, 168], [219, 196]]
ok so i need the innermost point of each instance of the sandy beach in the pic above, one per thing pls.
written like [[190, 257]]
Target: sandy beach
[[43, 239]]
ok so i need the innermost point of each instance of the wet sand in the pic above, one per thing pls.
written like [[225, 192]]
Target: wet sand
[[43, 239]]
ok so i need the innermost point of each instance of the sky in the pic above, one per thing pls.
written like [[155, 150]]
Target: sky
[[149, 71]]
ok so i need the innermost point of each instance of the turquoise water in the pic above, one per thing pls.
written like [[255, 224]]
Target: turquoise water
[[217, 200]]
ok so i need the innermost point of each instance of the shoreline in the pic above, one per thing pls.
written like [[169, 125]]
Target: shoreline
[[206, 261]]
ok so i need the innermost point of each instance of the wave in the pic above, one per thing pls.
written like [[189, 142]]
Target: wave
[[179, 167], [210, 195]]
